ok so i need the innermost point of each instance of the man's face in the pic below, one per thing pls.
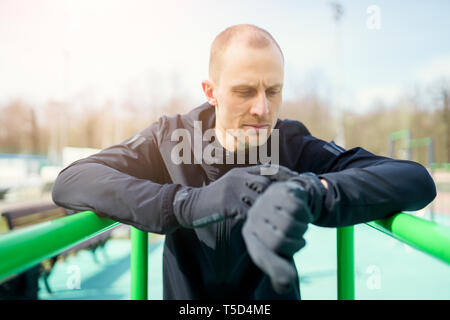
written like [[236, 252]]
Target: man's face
[[248, 92]]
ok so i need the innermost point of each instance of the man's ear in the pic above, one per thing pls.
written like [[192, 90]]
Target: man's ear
[[208, 89]]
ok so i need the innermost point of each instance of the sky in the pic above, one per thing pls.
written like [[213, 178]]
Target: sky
[[148, 50]]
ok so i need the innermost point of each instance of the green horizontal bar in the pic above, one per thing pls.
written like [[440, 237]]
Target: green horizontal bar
[[442, 166], [422, 142], [399, 134], [23, 248], [424, 235]]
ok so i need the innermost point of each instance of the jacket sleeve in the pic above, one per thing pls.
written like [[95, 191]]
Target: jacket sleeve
[[363, 187], [123, 182]]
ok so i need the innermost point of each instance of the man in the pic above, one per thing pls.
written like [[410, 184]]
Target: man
[[232, 227]]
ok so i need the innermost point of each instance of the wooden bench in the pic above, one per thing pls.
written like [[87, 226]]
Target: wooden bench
[[30, 214], [25, 285]]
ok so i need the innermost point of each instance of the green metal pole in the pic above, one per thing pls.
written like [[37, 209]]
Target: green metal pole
[[424, 235], [139, 264], [23, 248], [345, 264]]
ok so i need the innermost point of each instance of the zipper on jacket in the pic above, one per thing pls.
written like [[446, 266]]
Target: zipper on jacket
[[222, 247]]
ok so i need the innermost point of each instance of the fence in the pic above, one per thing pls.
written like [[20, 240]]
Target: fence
[[23, 248]]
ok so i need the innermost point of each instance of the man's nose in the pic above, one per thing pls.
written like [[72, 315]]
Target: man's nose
[[261, 106]]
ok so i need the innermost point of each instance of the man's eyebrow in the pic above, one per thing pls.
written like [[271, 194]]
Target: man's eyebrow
[[276, 86], [242, 86], [250, 86]]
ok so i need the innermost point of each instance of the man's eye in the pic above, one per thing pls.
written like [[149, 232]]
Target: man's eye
[[244, 93], [272, 92]]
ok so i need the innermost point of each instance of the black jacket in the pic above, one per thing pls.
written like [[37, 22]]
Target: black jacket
[[134, 182]]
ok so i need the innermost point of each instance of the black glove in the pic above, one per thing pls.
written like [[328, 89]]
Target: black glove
[[312, 191], [230, 196], [276, 224]]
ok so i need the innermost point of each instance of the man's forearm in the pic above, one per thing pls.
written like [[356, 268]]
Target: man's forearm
[[118, 196], [360, 195]]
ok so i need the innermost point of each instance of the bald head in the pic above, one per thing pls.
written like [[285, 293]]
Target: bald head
[[243, 34]]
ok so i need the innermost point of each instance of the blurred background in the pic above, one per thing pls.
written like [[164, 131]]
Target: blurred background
[[79, 76]]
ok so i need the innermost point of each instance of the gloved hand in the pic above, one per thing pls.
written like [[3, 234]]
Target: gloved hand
[[276, 223], [230, 196], [312, 191]]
